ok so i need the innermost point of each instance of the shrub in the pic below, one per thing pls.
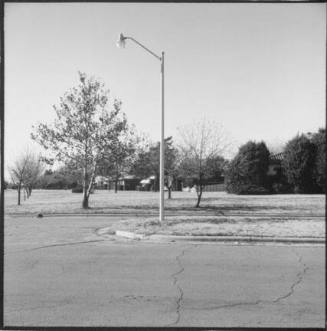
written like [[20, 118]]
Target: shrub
[[77, 189], [247, 172], [281, 188], [319, 140], [253, 190], [298, 164]]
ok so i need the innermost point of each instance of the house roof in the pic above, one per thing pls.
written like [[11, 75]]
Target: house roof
[[101, 179], [147, 180], [277, 157], [128, 177]]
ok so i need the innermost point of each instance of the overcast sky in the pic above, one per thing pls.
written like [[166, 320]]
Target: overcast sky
[[257, 69]]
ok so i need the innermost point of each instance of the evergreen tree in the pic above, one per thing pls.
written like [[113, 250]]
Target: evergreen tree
[[299, 163], [319, 140], [247, 172]]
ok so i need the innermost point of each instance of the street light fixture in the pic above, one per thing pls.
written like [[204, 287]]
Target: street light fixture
[[121, 41], [121, 44]]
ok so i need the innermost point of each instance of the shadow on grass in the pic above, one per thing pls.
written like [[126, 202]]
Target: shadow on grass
[[204, 207]]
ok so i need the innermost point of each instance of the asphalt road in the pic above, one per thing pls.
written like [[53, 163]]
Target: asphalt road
[[59, 272]]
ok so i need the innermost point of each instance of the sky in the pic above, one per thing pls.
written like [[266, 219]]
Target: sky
[[257, 69]]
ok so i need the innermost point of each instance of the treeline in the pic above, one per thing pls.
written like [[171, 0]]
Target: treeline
[[91, 137], [62, 178], [144, 164], [300, 168]]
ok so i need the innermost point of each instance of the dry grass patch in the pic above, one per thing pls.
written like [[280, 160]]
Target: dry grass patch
[[222, 226], [214, 203]]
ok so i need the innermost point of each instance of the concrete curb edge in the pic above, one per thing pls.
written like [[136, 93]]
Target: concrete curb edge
[[253, 239]]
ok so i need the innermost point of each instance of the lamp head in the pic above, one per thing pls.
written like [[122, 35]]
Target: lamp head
[[121, 41]]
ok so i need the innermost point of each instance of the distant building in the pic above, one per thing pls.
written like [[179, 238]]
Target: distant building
[[216, 184], [275, 164], [101, 182], [147, 184], [125, 183]]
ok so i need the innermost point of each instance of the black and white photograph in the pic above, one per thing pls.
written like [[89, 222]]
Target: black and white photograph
[[163, 165]]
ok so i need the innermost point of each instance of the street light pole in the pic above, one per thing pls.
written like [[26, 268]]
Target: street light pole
[[121, 43], [162, 142]]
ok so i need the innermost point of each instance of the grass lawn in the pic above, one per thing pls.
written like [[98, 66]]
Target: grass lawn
[[219, 213], [213, 203]]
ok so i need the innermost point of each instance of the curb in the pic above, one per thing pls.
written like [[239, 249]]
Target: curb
[[130, 235], [139, 213], [253, 239]]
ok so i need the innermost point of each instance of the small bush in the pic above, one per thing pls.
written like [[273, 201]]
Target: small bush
[[252, 189], [280, 188], [77, 189]]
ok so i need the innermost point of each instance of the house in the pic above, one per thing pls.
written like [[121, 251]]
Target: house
[[101, 182], [216, 184], [124, 183], [147, 184], [275, 164]]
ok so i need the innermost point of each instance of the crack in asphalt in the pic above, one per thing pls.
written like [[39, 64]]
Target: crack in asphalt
[[299, 277], [231, 305], [66, 244], [43, 306], [175, 283]]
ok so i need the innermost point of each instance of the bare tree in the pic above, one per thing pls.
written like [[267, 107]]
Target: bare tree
[[25, 172], [83, 129], [34, 170], [200, 144]]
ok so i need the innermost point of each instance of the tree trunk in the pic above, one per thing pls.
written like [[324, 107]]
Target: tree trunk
[[85, 203], [169, 192], [157, 183], [199, 194], [116, 179], [18, 191], [88, 188]]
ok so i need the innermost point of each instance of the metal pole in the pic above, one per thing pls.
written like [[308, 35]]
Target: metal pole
[[162, 142], [148, 50]]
